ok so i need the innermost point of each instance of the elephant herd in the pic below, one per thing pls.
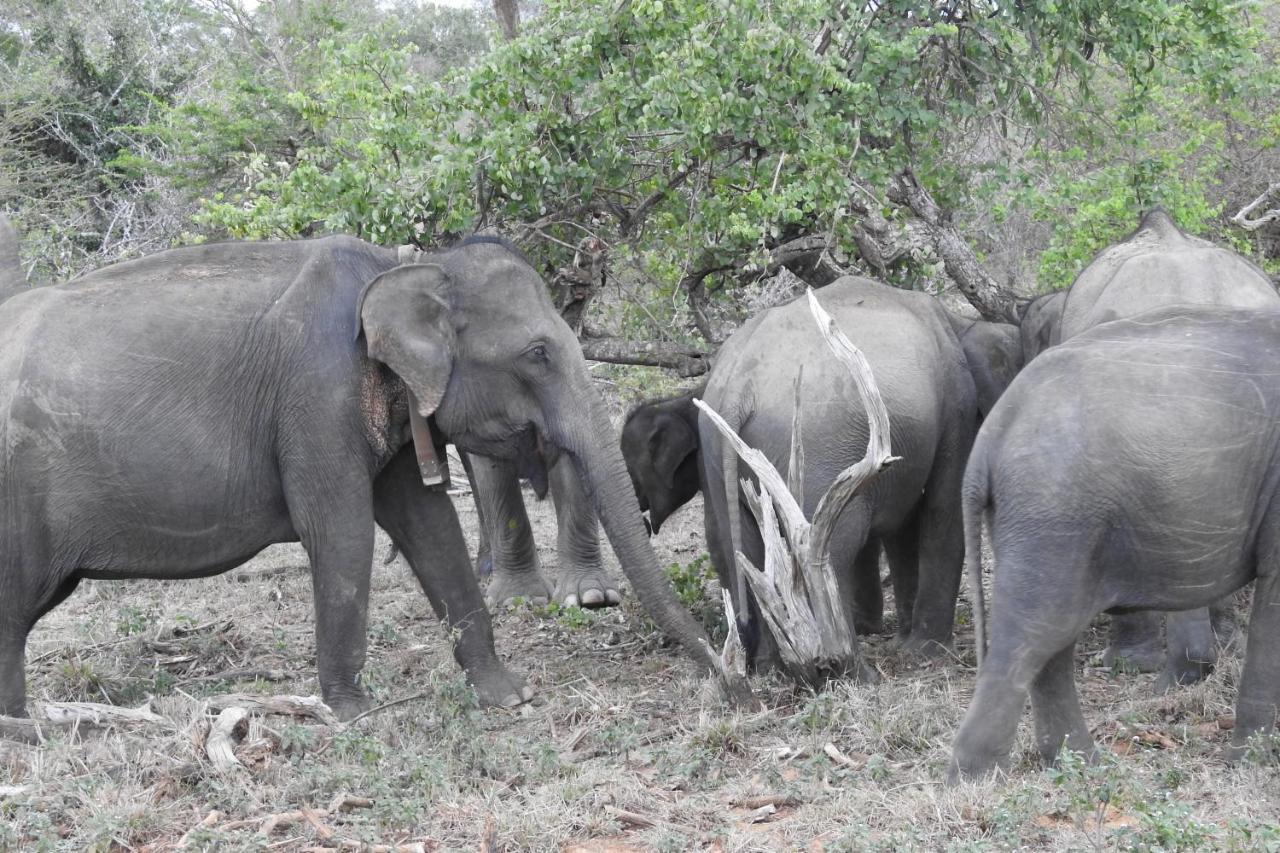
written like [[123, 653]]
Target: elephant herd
[[169, 417]]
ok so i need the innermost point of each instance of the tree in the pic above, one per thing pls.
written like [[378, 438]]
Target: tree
[[707, 142]]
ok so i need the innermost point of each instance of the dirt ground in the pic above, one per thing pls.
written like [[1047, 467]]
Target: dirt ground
[[623, 749]]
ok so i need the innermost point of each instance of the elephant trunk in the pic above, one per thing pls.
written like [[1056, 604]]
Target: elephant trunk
[[599, 463]]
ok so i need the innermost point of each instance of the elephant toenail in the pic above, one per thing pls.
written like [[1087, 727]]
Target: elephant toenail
[[512, 701], [526, 692], [571, 600], [592, 597], [613, 596]]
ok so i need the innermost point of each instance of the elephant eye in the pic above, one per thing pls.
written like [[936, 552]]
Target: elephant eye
[[538, 352]]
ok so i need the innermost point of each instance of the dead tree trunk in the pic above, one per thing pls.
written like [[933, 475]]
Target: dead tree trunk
[[797, 590]]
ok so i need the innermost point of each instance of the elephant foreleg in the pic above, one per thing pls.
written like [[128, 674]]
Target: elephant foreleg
[[517, 573], [582, 579], [338, 537], [424, 525]]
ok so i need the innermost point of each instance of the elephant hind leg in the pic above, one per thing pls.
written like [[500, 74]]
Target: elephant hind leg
[[1259, 697], [868, 592], [1032, 639], [1056, 707], [1136, 642], [903, 550], [1192, 649]]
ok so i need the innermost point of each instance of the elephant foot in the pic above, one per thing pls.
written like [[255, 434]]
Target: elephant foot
[[506, 588], [349, 706], [587, 588], [1137, 657], [916, 645], [864, 626], [499, 688]]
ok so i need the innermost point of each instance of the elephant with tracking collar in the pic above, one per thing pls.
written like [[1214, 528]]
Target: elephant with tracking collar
[[170, 417]]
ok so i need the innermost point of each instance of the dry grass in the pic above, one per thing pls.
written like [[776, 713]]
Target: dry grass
[[622, 750]]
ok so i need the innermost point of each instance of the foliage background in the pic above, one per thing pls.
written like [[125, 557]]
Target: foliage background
[[701, 139]]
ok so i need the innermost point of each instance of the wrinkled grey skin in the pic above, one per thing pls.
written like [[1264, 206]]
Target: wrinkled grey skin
[[172, 416], [1158, 265], [581, 579], [914, 507], [12, 278], [1039, 325], [1151, 484], [993, 352]]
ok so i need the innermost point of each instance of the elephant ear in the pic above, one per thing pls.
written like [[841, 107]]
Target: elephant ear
[[407, 327], [670, 444]]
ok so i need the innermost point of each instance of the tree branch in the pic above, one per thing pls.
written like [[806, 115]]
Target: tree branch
[[977, 285], [685, 360], [1273, 215]]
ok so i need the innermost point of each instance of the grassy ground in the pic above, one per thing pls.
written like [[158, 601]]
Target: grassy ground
[[623, 749]]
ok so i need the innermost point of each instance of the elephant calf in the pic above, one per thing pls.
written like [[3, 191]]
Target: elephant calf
[[1134, 467]]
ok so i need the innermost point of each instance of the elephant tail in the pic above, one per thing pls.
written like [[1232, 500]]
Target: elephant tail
[[976, 497]]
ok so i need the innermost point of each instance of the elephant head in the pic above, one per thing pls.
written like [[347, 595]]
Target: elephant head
[[993, 352], [1038, 323], [660, 446], [474, 337]]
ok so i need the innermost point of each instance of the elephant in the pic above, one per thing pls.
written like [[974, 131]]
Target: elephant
[[994, 353], [1135, 466], [913, 508], [1160, 265], [171, 416], [661, 447], [1039, 322]]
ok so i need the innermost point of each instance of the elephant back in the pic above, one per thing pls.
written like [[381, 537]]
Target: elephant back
[[1160, 266]]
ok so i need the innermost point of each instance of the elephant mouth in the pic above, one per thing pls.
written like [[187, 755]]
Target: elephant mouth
[[534, 458]]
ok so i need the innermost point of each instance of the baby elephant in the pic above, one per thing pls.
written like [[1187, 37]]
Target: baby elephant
[[1136, 466]]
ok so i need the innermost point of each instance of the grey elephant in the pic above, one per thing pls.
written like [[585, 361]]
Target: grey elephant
[[1134, 466], [172, 416], [1039, 323], [913, 508], [1159, 265], [994, 353], [662, 445]]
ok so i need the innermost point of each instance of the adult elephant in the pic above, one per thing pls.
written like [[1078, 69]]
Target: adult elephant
[[914, 507], [1156, 266], [170, 417], [660, 438], [1136, 465]]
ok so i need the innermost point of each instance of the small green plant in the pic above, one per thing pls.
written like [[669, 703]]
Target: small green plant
[[1166, 825], [573, 618], [689, 581], [131, 620], [1089, 789]]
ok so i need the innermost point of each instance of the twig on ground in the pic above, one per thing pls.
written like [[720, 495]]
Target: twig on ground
[[241, 675], [295, 706]]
